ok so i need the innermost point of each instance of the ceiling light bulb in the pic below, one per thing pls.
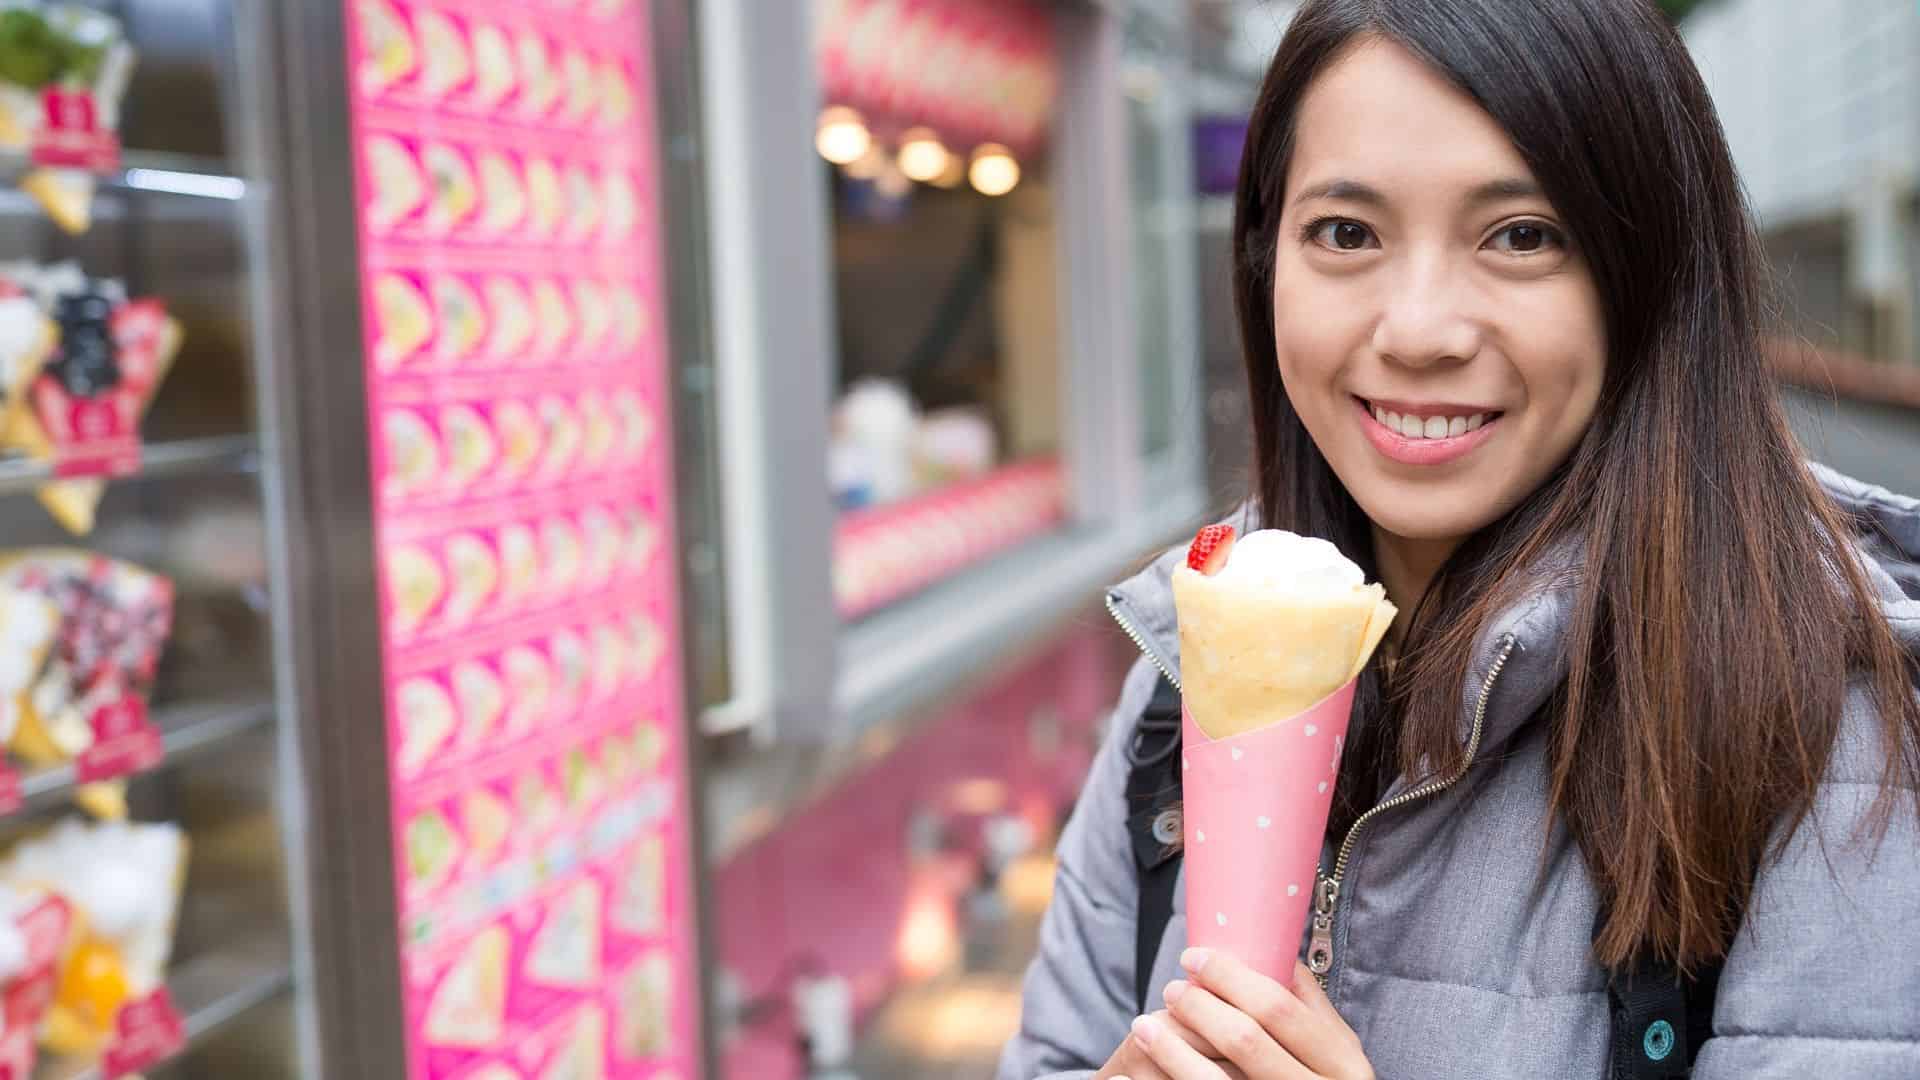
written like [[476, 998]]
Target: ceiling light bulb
[[994, 171], [922, 156], [841, 136]]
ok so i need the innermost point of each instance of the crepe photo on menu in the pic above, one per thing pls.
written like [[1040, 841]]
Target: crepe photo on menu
[[469, 1006]]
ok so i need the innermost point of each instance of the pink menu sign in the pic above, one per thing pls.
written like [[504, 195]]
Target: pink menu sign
[[517, 394]]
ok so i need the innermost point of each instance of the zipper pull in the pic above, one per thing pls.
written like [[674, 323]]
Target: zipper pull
[[1326, 893]]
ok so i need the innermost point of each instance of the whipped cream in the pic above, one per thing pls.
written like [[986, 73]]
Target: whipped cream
[[123, 876], [1277, 559]]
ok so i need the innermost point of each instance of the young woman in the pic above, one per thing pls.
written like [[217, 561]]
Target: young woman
[[1653, 691]]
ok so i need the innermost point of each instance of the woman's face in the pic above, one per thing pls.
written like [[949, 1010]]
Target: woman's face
[[1437, 332]]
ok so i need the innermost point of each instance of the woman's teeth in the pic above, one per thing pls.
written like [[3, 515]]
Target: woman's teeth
[[1431, 427]]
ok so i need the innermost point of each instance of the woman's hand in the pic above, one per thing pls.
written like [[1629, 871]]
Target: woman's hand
[[1232, 1022], [1133, 1061]]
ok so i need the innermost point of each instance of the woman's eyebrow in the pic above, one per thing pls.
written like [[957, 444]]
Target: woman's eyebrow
[[1503, 189], [1347, 190], [1500, 190]]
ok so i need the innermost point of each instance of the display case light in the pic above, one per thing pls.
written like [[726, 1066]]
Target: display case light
[[923, 156], [994, 171], [841, 136]]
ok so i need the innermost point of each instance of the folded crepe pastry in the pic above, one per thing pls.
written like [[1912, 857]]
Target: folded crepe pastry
[[124, 882], [1281, 623], [83, 632]]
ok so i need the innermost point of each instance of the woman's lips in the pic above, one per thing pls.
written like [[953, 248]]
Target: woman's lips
[[1410, 451]]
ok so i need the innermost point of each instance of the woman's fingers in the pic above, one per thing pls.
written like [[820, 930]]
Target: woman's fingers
[[1189, 1036], [1238, 1037], [1175, 1056], [1312, 1033], [1131, 1062]]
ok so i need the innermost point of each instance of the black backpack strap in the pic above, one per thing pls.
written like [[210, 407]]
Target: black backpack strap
[[1659, 1018], [1153, 822]]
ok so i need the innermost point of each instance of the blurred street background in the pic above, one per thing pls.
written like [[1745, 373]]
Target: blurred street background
[[560, 539]]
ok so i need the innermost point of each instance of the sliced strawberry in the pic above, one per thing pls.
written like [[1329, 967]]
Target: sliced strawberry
[[1209, 551]]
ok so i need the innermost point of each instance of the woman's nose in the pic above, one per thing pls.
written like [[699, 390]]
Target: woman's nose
[[1425, 320]]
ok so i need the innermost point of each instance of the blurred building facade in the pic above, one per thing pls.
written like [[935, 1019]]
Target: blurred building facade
[[1821, 102]]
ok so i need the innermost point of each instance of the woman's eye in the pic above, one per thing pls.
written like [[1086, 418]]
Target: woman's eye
[[1526, 238], [1342, 235]]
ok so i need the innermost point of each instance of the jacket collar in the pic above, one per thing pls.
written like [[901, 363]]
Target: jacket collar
[[1889, 543]]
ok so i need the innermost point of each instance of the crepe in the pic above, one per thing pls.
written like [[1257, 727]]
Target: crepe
[[468, 1009], [413, 453], [448, 65], [455, 192], [482, 701], [463, 322], [505, 195], [1256, 649], [405, 318], [389, 55], [398, 187], [494, 76], [566, 950], [427, 719], [512, 320]]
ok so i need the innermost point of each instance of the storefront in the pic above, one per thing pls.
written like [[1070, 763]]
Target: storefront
[[951, 409], [597, 573]]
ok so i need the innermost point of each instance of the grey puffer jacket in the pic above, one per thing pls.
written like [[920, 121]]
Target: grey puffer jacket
[[1454, 961]]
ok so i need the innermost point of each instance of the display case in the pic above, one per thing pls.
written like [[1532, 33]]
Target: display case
[[138, 487], [261, 374]]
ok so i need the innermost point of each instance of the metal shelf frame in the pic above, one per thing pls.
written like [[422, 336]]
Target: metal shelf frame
[[185, 732], [215, 453]]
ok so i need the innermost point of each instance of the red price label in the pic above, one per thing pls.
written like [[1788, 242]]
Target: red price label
[[92, 436], [11, 798], [45, 928], [147, 1032], [70, 111], [124, 742], [70, 136], [27, 999]]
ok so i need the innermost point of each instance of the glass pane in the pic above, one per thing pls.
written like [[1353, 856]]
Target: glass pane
[[948, 365], [948, 406]]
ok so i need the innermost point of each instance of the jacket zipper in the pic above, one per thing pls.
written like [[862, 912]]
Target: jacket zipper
[[1140, 641], [1326, 892]]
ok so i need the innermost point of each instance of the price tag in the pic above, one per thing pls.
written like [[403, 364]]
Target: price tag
[[70, 136], [94, 436], [45, 928], [147, 1032], [125, 742]]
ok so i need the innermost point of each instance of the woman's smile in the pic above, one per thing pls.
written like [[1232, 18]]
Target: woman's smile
[[1425, 434]]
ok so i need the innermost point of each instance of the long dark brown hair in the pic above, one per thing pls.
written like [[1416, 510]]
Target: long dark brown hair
[[1720, 608]]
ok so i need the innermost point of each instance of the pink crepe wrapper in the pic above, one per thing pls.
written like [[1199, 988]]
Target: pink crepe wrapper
[[1254, 812]]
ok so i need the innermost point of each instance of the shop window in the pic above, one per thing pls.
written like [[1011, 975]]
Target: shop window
[[947, 424]]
